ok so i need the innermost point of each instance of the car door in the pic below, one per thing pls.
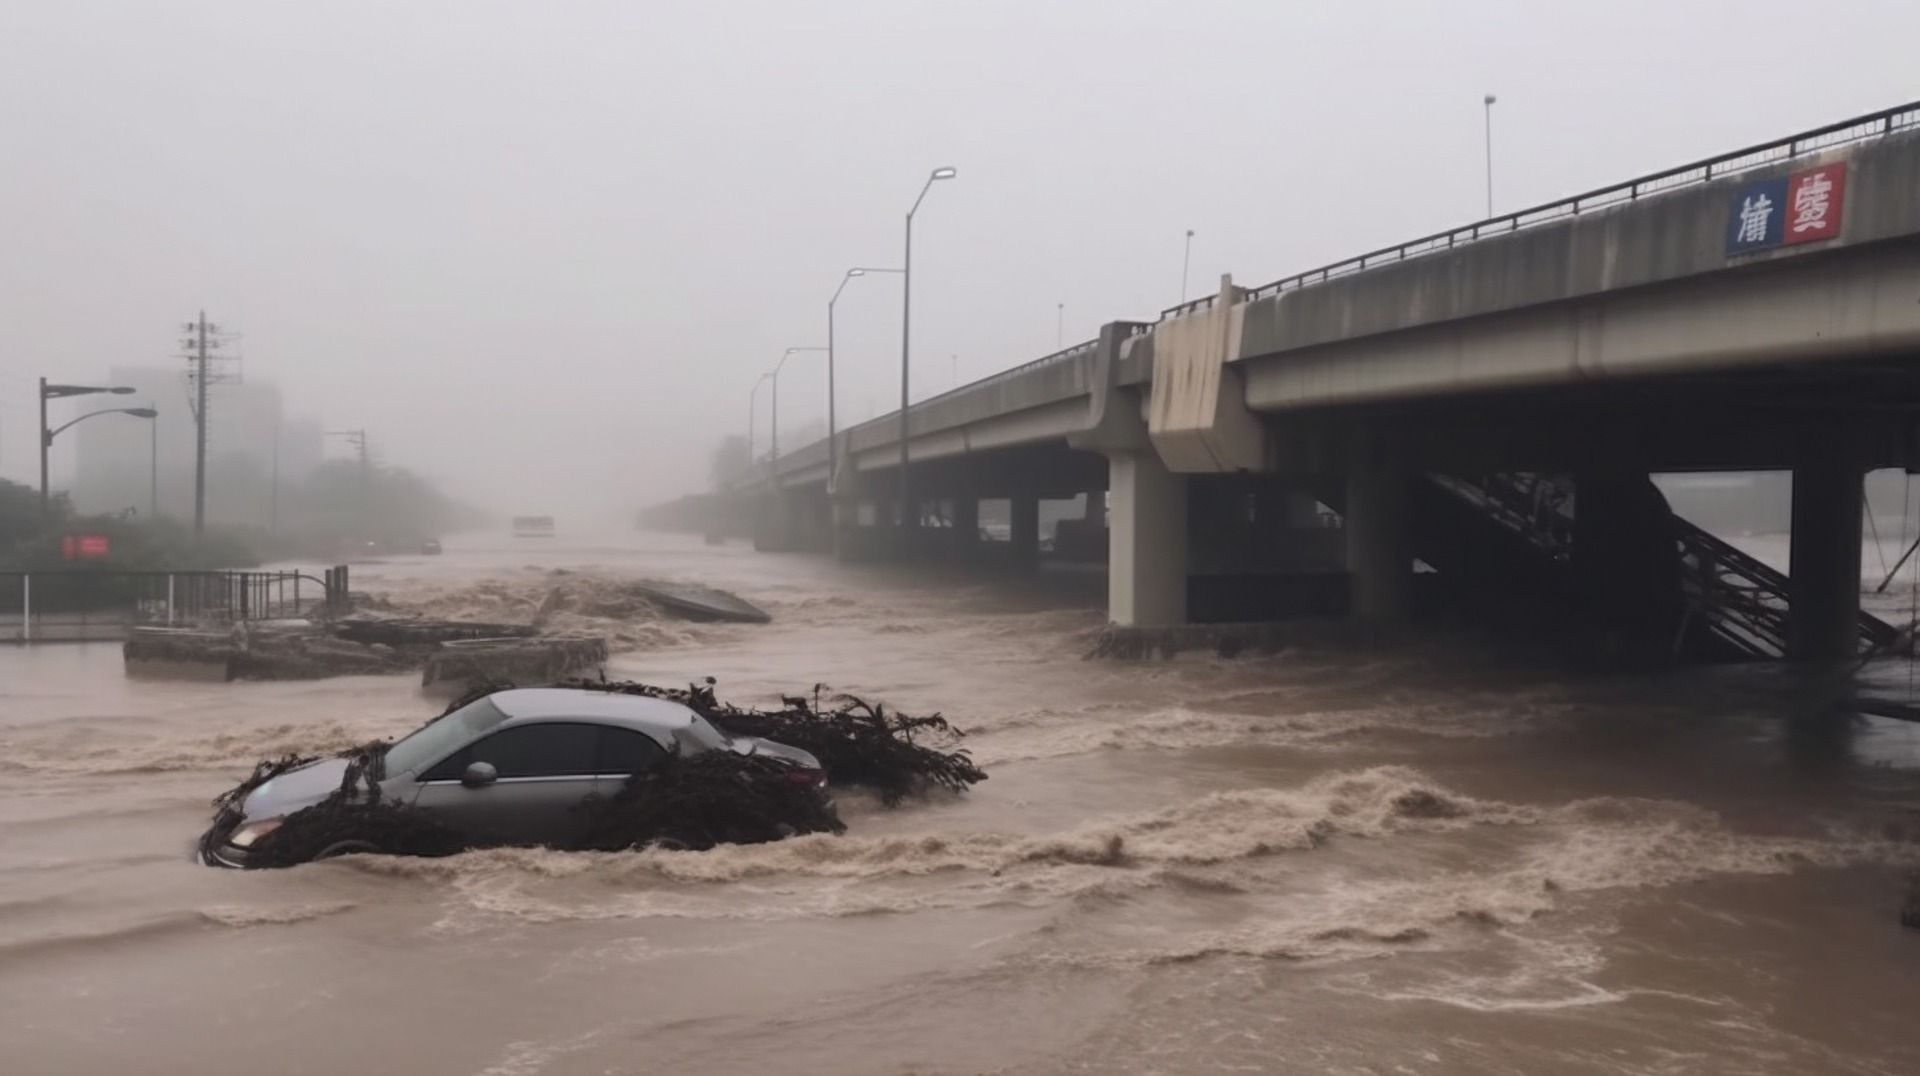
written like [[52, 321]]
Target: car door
[[544, 771], [624, 752]]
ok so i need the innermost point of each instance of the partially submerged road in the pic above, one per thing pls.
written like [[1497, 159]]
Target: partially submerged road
[[1311, 862]]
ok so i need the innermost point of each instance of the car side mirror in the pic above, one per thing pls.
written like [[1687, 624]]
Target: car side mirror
[[479, 775]]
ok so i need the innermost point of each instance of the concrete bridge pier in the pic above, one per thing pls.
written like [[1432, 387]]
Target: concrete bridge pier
[[786, 521], [1024, 529], [1823, 622], [1379, 531], [862, 521], [1147, 541], [1627, 564], [965, 518]]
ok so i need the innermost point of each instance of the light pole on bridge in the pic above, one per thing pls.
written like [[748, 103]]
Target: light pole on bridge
[[1186, 259], [833, 450], [773, 456], [753, 412], [909, 517], [1487, 102]]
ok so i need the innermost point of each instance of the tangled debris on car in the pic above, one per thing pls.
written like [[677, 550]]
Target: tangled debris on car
[[859, 743], [760, 781]]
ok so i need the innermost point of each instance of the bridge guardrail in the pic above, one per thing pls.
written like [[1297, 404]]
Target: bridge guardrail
[[1872, 125], [1860, 128]]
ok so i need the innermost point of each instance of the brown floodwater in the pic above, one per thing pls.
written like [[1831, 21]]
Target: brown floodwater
[[1317, 862]]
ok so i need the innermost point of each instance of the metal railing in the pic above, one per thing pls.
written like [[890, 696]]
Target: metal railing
[[1734, 596], [771, 467], [892, 418], [1860, 128], [80, 604], [1873, 125]]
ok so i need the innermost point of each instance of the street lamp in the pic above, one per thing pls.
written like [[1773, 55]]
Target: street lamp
[[774, 456], [1487, 102], [909, 518], [153, 465], [56, 392], [1186, 259], [753, 409], [833, 458]]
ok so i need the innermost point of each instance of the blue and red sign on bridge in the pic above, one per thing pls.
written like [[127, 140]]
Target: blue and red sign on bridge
[[1798, 208]]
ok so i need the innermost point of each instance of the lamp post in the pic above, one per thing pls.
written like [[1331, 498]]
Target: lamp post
[[833, 450], [753, 409], [56, 392], [773, 457], [1487, 102], [153, 464], [909, 518], [1186, 259]]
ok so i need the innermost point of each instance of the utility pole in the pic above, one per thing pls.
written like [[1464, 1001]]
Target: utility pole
[[273, 502], [200, 429], [358, 439], [203, 339]]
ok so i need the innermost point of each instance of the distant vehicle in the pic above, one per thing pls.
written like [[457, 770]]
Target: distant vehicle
[[430, 547], [509, 769], [533, 526]]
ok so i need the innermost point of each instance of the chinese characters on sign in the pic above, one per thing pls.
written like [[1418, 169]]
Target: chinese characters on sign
[[1813, 200], [1799, 208]]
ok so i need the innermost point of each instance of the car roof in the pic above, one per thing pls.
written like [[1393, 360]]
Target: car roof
[[551, 703]]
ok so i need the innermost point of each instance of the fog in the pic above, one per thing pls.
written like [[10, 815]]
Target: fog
[[542, 252]]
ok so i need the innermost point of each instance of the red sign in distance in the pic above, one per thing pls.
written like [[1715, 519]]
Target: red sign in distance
[[84, 546]]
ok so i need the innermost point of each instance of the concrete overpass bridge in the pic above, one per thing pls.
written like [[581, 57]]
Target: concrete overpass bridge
[[1271, 451]]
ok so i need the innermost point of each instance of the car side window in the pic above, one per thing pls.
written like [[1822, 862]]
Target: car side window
[[545, 750], [624, 751]]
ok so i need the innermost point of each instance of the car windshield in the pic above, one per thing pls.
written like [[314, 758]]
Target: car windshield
[[433, 742]]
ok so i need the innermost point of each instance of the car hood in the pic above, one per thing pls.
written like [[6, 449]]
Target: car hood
[[754, 745], [295, 789]]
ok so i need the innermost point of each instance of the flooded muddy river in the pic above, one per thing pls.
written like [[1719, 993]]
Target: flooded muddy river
[[1315, 862]]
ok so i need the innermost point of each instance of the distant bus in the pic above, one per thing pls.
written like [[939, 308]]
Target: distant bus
[[533, 526]]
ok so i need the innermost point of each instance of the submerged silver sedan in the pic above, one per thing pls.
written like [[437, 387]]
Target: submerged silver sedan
[[508, 769]]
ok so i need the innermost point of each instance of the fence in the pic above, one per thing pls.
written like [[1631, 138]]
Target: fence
[[76, 604]]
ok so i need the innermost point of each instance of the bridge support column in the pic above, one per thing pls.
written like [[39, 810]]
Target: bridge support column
[[1379, 535], [1024, 528], [966, 525], [1823, 622], [1147, 541], [860, 532]]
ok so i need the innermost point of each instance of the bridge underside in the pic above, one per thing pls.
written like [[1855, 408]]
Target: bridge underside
[[1347, 520]]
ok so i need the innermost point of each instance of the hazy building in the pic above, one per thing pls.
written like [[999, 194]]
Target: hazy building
[[248, 436]]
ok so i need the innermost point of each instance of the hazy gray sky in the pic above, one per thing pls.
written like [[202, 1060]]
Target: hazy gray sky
[[542, 250]]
